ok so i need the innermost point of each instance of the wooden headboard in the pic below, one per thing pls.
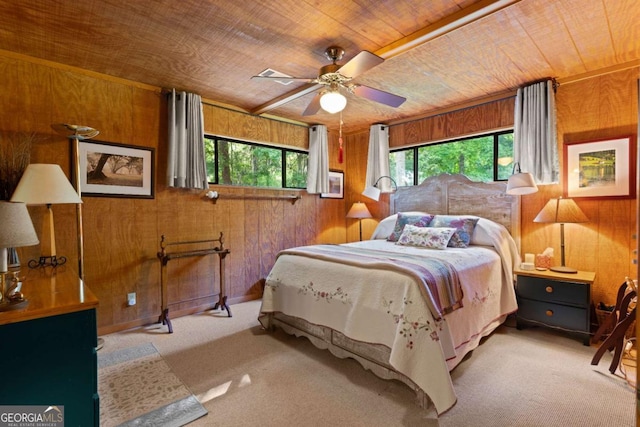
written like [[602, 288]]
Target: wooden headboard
[[457, 195]]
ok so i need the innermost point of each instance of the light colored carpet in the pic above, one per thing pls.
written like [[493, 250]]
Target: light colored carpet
[[538, 377], [245, 376], [137, 388]]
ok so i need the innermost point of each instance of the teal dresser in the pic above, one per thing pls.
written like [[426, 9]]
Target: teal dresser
[[48, 348]]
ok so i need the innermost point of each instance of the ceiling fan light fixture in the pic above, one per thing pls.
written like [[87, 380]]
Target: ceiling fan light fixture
[[333, 102]]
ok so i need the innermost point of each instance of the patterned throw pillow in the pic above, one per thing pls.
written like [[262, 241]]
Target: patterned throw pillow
[[404, 219], [426, 237], [385, 227], [464, 226]]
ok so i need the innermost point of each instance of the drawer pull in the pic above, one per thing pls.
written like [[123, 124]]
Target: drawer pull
[[549, 313], [549, 289]]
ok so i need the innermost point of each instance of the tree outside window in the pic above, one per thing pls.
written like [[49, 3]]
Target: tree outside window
[[481, 158]]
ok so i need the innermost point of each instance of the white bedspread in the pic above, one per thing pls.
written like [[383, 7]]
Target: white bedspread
[[386, 307]]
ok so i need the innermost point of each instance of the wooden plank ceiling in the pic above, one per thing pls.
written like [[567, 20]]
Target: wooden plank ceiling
[[213, 47]]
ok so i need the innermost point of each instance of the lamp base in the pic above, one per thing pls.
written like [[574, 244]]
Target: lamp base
[[46, 261], [563, 269]]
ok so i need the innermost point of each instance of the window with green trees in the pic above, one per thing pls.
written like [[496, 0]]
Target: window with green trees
[[234, 162], [481, 158]]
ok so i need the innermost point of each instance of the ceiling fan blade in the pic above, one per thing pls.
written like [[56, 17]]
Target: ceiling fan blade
[[380, 96], [314, 106], [360, 63]]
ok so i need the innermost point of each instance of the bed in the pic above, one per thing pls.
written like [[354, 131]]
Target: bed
[[404, 311]]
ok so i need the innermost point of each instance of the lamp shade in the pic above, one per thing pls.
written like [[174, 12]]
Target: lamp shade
[[333, 102], [45, 184], [359, 210], [16, 228], [561, 211], [372, 192], [521, 183]]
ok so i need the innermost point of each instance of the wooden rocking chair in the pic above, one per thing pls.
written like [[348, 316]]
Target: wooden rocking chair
[[622, 317]]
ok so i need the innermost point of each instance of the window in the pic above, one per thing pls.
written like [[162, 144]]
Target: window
[[233, 162], [481, 158], [296, 169]]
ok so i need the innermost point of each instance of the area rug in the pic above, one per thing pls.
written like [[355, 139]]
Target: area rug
[[137, 388]]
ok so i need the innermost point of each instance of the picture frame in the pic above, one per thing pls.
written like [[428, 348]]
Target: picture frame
[[602, 169], [116, 170], [336, 185]]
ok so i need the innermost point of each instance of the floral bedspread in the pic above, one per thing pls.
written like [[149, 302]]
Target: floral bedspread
[[373, 303], [440, 283]]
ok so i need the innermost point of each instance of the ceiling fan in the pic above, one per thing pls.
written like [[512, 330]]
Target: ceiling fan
[[334, 79]]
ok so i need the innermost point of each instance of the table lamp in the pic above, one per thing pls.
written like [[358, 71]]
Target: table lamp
[[561, 211], [46, 184], [359, 210], [16, 230]]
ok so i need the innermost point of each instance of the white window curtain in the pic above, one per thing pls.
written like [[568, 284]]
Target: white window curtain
[[186, 163], [535, 145], [318, 170], [378, 158]]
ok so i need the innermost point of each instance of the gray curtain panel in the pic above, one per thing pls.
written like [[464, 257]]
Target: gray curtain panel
[[535, 138], [186, 163], [378, 158], [318, 173]]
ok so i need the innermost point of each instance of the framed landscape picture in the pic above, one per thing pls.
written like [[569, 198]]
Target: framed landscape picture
[[116, 170], [336, 185], [600, 169]]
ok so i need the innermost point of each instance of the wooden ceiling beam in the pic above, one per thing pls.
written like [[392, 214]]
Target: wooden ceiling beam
[[287, 97], [599, 72], [457, 20]]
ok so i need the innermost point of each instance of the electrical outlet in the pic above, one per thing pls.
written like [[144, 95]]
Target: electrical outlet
[[131, 299]]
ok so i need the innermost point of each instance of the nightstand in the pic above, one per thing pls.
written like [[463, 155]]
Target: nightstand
[[556, 300]]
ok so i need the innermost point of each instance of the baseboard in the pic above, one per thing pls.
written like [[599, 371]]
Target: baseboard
[[173, 314]]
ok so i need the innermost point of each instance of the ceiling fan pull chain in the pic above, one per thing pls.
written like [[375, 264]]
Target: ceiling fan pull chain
[[340, 152]]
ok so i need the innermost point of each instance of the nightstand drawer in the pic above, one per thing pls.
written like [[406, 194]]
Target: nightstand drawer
[[563, 316], [542, 289]]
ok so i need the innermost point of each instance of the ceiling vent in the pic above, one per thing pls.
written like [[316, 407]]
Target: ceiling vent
[[273, 73]]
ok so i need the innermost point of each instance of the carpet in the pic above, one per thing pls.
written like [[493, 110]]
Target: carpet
[[246, 376], [538, 377], [137, 388]]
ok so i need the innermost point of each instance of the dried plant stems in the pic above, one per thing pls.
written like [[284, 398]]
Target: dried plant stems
[[15, 153]]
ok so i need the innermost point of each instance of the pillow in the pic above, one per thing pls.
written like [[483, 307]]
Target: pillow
[[426, 237], [464, 226], [386, 226], [419, 220], [488, 233]]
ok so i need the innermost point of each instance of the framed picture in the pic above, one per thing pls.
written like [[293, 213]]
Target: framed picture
[[602, 169], [336, 185], [116, 170]]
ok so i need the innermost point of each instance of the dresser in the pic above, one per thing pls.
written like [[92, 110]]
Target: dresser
[[48, 347], [557, 300]]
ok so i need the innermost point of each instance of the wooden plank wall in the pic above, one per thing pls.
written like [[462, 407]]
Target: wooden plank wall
[[355, 158], [455, 124], [596, 108], [122, 236]]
